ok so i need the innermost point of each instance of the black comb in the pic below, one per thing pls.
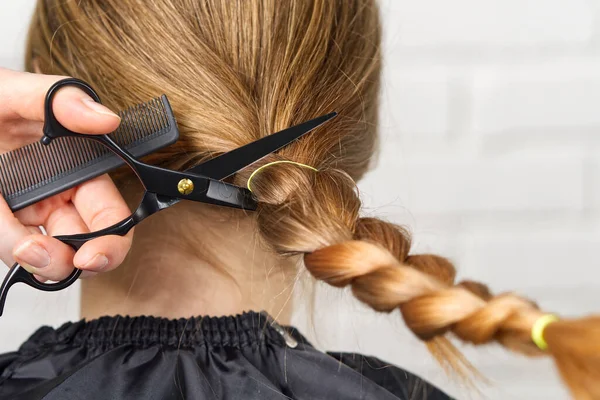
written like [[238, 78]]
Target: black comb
[[36, 171], [163, 188]]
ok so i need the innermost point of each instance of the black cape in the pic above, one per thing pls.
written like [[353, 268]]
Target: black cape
[[244, 357]]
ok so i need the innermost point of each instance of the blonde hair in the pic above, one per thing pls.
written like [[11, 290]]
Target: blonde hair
[[238, 70]]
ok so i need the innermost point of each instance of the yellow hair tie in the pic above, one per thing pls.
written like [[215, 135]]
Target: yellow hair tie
[[537, 331], [277, 162]]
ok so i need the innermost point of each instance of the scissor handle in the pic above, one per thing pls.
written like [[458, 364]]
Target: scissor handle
[[18, 274], [52, 128]]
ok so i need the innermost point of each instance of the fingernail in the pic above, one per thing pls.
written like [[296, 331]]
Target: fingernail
[[97, 107], [32, 254], [97, 263]]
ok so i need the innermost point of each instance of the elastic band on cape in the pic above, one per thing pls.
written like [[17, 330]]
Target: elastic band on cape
[[537, 331], [277, 162]]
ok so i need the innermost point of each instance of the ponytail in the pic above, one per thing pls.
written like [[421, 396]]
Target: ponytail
[[317, 214]]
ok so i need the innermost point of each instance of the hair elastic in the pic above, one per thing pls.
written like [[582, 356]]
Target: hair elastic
[[537, 331], [277, 162]]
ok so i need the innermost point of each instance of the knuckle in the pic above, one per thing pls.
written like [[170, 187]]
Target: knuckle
[[104, 217]]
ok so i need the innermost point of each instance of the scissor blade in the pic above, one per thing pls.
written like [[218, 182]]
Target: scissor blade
[[231, 162]]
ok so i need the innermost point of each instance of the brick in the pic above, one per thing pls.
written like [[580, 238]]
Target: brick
[[13, 31], [592, 183], [454, 186], [414, 103], [495, 23], [544, 96], [531, 259]]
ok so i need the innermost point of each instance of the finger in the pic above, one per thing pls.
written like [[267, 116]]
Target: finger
[[100, 205], [45, 256], [40, 278], [78, 112], [37, 230], [103, 254], [34, 230], [64, 220], [11, 232], [17, 133], [23, 95], [37, 214]]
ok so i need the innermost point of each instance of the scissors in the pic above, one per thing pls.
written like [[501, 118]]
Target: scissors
[[163, 188]]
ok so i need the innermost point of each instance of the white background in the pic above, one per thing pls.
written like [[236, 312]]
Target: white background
[[490, 153]]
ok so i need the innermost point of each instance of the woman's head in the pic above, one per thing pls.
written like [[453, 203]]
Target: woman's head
[[235, 71]]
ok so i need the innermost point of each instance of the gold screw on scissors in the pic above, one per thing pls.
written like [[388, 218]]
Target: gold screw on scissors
[[185, 186], [158, 182]]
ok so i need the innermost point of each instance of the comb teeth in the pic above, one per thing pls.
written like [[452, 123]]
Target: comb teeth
[[68, 160]]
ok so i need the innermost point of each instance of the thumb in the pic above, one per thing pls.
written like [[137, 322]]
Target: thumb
[[22, 95], [78, 112]]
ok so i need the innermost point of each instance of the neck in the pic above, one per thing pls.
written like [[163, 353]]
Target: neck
[[194, 260]]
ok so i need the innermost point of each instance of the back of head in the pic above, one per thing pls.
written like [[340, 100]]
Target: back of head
[[235, 71]]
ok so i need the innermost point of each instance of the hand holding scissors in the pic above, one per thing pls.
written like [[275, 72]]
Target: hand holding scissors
[[163, 187]]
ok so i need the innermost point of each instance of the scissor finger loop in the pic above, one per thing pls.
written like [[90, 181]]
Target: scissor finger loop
[[163, 187]]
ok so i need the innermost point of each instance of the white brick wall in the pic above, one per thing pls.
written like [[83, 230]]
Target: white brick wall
[[419, 103], [490, 153], [490, 22], [469, 186], [13, 29], [562, 95], [592, 172]]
